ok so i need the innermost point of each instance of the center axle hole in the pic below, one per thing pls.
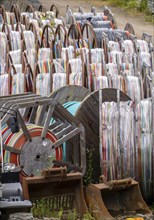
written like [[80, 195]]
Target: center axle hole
[[37, 157]]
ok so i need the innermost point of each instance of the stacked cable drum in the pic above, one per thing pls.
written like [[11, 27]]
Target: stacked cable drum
[[118, 152], [145, 145], [127, 65], [41, 53], [127, 143], [22, 34], [126, 138]]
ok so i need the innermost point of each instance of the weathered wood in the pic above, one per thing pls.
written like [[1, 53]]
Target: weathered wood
[[88, 115], [55, 125], [14, 98], [69, 135], [64, 131], [36, 156], [63, 95], [23, 126], [29, 102], [70, 93], [66, 115], [47, 121]]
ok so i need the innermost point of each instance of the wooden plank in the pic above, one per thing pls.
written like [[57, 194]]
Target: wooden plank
[[27, 102], [65, 114], [18, 96], [64, 131], [66, 137], [55, 124], [47, 121], [58, 127], [23, 126]]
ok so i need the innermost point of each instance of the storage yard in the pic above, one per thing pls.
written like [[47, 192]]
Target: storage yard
[[76, 112]]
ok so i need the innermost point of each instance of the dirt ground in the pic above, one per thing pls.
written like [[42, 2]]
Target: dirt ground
[[121, 16]]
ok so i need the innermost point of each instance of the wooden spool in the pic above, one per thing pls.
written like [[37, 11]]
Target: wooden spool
[[88, 33], [75, 34], [88, 115], [46, 38], [61, 35], [70, 93], [16, 10], [64, 95], [129, 27], [42, 8], [54, 9]]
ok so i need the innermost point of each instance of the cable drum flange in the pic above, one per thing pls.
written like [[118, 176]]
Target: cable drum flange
[[36, 156]]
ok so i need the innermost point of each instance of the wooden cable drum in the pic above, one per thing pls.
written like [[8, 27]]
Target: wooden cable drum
[[70, 97], [74, 33], [32, 27], [36, 154], [3, 13], [47, 36], [88, 33], [19, 27], [61, 35], [30, 79], [129, 27], [30, 9], [88, 115], [41, 8], [16, 10], [55, 10], [70, 93], [85, 106]]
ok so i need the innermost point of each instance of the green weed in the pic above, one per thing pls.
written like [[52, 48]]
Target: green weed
[[88, 216], [89, 173], [131, 4]]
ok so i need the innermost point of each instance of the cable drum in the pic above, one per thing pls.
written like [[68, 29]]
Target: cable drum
[[36, 154], [85, 109], [70, 97]]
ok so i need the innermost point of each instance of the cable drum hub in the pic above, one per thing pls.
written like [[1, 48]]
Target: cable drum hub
[[36, 156]]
